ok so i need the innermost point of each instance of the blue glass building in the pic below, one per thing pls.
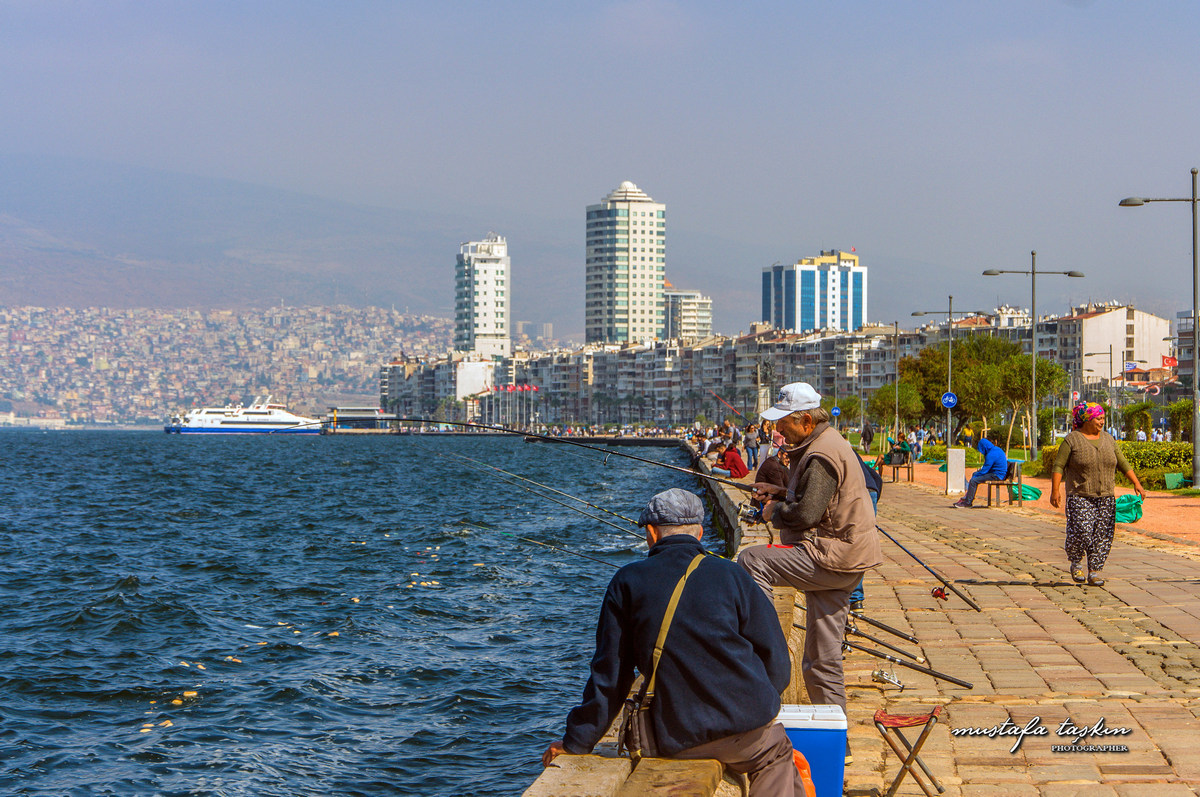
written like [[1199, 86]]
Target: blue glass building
[[824, 292]]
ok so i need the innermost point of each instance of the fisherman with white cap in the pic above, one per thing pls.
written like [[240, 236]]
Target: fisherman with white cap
[[826, 529]]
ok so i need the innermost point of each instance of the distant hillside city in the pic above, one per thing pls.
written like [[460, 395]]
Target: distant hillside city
[[105, 366]]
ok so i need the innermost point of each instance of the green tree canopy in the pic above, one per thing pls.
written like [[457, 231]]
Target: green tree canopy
[[970, 379], [882, 404]]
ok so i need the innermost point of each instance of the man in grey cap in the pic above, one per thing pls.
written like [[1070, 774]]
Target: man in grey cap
[[724, 662], [827, 534]]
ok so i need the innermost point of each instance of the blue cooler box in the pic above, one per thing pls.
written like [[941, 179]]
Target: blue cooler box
[[819, 733]]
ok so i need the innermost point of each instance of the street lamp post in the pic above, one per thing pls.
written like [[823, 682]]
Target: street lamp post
[[1032, 272], [897, 419], [1111, 373], [1137, 201], [949, 313]]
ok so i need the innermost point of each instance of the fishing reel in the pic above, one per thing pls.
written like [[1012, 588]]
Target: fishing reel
[[884, 677], [939, 592], [749, 512]]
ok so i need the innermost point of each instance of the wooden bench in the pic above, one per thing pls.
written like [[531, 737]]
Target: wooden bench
[[1012, 478], [908, 465]]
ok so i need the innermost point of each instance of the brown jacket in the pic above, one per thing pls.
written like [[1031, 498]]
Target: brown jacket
[[845, 539]]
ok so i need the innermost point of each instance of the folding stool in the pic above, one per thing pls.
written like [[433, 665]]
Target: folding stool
[[910, 755]]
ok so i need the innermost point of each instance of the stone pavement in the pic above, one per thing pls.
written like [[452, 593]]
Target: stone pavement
[[1043, 651]]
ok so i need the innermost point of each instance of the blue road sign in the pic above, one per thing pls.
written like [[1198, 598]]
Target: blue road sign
[[836, 411], [949, 400]]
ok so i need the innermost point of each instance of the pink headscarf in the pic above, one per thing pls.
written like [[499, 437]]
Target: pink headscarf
[[1084, 411]]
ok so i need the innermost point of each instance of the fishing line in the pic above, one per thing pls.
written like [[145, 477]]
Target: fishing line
[[483, 464], [596, 518], [568, 441], [545, 545]]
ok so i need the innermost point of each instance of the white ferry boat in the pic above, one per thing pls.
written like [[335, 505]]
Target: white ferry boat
[[260, 417]]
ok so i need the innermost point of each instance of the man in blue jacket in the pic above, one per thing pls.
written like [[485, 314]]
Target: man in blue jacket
[[723, 666], [995, 467]]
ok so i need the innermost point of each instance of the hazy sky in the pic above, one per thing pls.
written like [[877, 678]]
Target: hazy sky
[[938, 138]]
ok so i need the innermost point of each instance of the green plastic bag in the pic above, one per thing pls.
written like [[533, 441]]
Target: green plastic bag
[[1028, 493], [1129, 508]]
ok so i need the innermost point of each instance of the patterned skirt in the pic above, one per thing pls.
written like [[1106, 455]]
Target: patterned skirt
[[1090, 526]]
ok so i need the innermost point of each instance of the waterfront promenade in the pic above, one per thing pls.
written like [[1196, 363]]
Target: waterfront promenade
[[1042, 649]]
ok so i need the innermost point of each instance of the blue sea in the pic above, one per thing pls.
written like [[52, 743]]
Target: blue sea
[[297, 615]]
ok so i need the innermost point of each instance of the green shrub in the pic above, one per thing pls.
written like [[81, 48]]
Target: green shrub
[[1168, 457], [938, 454]]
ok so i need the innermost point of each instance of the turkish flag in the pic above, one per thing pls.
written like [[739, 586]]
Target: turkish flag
[[1169, 362]]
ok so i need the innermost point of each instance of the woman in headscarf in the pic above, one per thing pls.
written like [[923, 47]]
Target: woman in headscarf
[[1087, 460]]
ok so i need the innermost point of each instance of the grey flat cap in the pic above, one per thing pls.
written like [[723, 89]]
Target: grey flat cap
[[674, 507]]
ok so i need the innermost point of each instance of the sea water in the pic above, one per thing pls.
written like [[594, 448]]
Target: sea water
[[271, 615]]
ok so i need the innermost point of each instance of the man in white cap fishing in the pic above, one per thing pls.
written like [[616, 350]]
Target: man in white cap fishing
[[827, 533]]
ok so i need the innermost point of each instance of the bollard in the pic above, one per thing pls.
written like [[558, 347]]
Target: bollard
[[956, 464]]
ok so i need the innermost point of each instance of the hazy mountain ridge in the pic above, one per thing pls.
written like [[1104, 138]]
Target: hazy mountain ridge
[[76, 233]]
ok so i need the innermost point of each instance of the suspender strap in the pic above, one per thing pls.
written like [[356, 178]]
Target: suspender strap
[[666, 625]]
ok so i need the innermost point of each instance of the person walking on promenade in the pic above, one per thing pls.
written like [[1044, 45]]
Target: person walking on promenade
[[1087, 460], [995, 467], [866, 436], [751, 442], [723, 664], [827, 531]]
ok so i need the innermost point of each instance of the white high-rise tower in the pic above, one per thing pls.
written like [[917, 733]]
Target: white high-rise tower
[[626, 262], [481, 296]]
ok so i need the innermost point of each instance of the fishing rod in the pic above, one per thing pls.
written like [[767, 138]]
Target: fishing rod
[[723, 401], [568, 441], [885, 627], [483, 464], [853, 629], [935, 573], [902, 662]]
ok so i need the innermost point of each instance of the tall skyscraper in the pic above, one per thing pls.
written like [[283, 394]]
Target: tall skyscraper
[[688, 315], [825, 292], [481, 295], [626, 257]]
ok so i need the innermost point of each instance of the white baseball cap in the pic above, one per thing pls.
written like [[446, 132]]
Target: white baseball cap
[[793, 398]]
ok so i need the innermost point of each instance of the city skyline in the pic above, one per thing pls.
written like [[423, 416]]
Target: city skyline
[[938, 140]]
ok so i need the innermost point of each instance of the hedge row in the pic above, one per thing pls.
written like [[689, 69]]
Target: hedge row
[[1144, 457]]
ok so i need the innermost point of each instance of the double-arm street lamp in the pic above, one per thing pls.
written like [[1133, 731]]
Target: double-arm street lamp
[[949, 313], [1137, 201], [1033, 342]]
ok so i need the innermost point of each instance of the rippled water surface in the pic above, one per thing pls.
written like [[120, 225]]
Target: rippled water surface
[[295, 615]]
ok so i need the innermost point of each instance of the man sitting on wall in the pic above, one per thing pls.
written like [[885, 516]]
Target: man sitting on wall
[[724, 662]]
